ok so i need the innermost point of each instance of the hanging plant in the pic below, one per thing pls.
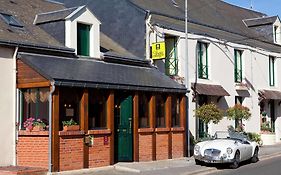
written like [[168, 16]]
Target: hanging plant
[[209, 113]]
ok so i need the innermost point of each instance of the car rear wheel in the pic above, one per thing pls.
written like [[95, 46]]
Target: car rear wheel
[[236, 161], [255, 157]]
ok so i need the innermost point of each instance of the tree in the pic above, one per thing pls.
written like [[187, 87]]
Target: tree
[[209, 113], [238, 113]]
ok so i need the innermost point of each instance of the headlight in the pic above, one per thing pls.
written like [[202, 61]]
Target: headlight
[[229, 150], [197, 148]]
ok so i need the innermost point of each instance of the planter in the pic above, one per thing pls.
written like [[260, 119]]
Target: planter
[[268, 138], [29, 129], [38, 128], [71, 128]]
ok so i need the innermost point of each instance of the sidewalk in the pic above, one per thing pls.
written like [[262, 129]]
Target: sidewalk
[[176, 166]]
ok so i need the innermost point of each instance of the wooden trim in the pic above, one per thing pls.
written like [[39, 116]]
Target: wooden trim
[[152, 118], [168, 116], [136, 126], [183, 122], [158, 130], [33, 133], [177, 129], [99, 132], [55, 131], [71, 133], [34, 85], [146, 130], [110, 123], [84, 120]]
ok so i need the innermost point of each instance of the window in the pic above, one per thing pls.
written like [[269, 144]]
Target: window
[[34, 103], [275, 32], [143, 111], [175, 111], [171, 61], [238, 66], [202, 60], [11, 20], [271, 71], [97, 109], [160, 111], [83, 39]]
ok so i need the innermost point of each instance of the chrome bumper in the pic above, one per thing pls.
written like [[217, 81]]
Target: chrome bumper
[[208, 159]]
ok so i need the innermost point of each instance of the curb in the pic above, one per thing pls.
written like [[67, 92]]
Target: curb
[[82, 171], [126, 169]]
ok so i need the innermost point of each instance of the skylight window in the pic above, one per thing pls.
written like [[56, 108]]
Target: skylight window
[[11, 20]]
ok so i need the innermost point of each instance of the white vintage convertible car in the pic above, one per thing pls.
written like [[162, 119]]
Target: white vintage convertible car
[[226, 147]]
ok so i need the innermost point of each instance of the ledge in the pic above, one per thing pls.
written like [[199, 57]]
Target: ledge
[[33, 133], [71, 133], [100, 132], [160, 130], [146, 130], [177, 129]]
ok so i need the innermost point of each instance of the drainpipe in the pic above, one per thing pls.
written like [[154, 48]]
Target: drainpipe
[[50, 165], [16, 103]]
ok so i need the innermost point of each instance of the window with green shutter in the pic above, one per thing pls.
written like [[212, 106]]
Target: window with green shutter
[[271, 71], [83, 39], [202, 52], [238, 66], [171, 61]]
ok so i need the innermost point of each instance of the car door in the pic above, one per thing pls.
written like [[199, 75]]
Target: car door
[[247, 147]]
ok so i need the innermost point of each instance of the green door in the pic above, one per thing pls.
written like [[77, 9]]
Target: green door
[[124, 150]]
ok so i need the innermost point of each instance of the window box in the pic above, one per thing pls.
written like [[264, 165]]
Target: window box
[[71, 128]]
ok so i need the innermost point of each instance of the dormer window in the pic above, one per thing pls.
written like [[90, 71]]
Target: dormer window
[[83, 39], [276, 34]]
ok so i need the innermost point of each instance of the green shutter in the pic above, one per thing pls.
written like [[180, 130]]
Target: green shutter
[[83, 39]]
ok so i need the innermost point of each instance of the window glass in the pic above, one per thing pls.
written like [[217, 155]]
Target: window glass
[[238, 66], [271, 71], [202, 51], [143, 111], [175, 111], [171, 61], [97, 109], [83, 39], [160, 111], [35, 104]]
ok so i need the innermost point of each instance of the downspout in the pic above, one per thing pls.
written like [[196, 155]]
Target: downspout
[[52, 90], [16, 103], [147, 37]]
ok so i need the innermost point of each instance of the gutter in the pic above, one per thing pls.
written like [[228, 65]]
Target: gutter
[[50, 163]]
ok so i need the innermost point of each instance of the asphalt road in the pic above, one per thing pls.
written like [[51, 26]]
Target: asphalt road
[[269, 167]]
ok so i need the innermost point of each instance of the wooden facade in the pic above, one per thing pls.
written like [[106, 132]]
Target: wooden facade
[[148, 144]]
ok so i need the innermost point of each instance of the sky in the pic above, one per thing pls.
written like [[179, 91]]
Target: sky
[[269, 7]]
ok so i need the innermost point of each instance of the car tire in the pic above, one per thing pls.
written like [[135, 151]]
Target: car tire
[[236, 161], [198, 162], [255, 157]]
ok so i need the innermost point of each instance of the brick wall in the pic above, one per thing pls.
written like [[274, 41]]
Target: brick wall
[[71, 152], [32, 149], [177, 144], [99, 154], [161, 146], [145, 147]]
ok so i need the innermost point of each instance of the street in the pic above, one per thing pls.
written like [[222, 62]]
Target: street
[[269, 166]]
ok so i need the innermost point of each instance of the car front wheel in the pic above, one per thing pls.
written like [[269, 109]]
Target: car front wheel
[[236, 161], [198, 162], [255, 157]]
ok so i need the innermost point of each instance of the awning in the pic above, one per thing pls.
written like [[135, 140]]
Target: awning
[[270, 94], [93, 73], [208, 89]]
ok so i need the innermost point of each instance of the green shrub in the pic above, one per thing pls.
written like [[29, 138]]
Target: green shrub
[[209, 113]]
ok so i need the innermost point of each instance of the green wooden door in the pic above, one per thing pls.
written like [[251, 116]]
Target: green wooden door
[[124, 131]]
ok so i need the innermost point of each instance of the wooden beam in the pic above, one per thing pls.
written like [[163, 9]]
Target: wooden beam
[[55, 131], [34, 85], [110, 123], [183, 122], [152, 120], [84, 124], [136, 127], [168, 116]]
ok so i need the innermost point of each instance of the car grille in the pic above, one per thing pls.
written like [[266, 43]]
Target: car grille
[[212, 152]]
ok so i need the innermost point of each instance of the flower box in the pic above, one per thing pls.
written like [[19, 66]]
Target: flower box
[[71, 128], [38, 128]]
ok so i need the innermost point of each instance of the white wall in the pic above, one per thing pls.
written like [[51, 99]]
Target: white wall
[[84, 16], [7, 107], [221, 72]]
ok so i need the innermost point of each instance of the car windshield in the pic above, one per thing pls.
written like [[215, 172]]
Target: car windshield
[[230, 135]]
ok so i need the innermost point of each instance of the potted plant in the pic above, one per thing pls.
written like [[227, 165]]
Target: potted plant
[[39, 125], [70, 125], [239, 113], [28, 124]]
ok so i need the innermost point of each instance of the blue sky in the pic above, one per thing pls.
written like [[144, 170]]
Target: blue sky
[[269, 7]]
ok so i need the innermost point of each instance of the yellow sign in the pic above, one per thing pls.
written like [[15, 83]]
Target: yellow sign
[[158, 51]]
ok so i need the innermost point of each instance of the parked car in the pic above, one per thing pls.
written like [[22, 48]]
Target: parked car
[[226, 147]]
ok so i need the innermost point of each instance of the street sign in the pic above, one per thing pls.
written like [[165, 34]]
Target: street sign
[[158, 51]]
